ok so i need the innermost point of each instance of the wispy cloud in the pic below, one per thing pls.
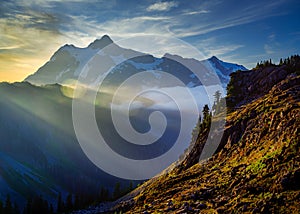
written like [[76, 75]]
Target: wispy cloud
[[272, 37], [173, 24], [49, 3], [196, 12], [81, 30], [216, 47], [215, 22], [223, 49], [272, 45], [162, 6], [268, 49]]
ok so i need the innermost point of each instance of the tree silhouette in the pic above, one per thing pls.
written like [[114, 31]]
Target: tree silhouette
[[16, 208], [217, 103], [60, 204], [281, 61], [8, 207], [1, 207], [206, 117], [217, 96], [69, 202], [28, 206], [104, 194], [117, 190], [76, 202], [131, 186], [39, 205], [51, 209]]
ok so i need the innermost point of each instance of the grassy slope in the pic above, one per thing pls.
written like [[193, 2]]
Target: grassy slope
[[260, 173]]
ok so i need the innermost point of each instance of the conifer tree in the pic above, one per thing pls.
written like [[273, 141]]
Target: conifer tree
[[131, 186], [8, 206], [217, 106], [206, 116], [76, 202], [1, 207], [16, 209], [69, 202], [51, 209], [117, 190], [59, 203]]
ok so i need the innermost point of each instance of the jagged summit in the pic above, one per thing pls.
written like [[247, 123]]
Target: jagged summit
[[225, 67], [101, 43], [214, 58], [97, 44], [67, 62]]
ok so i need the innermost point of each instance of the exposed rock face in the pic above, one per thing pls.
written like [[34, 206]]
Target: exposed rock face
[[258, 162], [246, 86]]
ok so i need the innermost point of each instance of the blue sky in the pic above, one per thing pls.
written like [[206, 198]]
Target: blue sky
[[243, 32]]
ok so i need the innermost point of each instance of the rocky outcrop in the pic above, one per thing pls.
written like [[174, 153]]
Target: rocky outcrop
[[246, 86]]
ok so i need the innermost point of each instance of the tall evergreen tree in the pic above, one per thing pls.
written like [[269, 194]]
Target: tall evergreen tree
[[216, 107], [117, 190], [28, 207], [16, 209], [76, 202], [217, 96], [51, 209], [39, 205], [69, 202], [281, 61], [205, 112], [206, 117], [59, 203], [131, 186], [8, 209], [1, 207]]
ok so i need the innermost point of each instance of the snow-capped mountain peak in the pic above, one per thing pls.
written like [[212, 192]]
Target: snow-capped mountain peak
[[101, 43], [68, 62]]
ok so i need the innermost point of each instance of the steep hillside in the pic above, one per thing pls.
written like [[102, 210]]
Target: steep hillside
[[257, 168]]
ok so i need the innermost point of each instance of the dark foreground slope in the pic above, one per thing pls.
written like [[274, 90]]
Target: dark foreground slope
[[257, 168], [39, 152]]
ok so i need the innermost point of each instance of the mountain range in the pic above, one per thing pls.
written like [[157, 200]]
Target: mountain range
[[67, 63], [39, 152]]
